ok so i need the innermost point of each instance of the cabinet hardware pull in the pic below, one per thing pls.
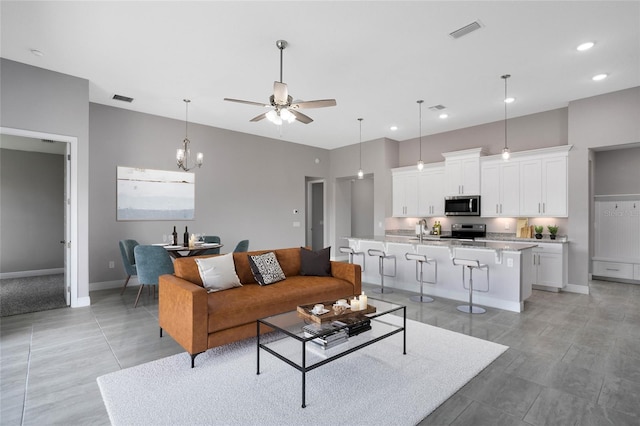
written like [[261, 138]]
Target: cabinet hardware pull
[[538, 207], [544, 207], [496, 208]]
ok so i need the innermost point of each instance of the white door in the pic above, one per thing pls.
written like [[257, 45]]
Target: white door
[[530, 188], [510, 189], [554, 187], [490, 190]]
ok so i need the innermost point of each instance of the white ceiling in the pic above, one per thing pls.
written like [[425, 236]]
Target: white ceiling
[[375, 58]]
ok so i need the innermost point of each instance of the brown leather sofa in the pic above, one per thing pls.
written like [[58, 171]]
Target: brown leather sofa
[[198, 320]]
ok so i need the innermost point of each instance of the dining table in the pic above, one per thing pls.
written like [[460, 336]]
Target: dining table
[[185, 251]]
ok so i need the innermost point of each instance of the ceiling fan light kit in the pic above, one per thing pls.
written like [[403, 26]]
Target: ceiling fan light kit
[[284, 108]]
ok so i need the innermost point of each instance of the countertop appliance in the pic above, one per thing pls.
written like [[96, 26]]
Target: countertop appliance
[[467, 231], [462, 205]]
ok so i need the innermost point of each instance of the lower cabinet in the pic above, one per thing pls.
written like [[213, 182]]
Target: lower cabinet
[[621, 270], [550, 265]]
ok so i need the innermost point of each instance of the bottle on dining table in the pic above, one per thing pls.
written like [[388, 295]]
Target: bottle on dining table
[[186, 236], [175, 236]]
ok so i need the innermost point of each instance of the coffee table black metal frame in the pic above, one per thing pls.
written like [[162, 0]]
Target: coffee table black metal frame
[[290, 324]]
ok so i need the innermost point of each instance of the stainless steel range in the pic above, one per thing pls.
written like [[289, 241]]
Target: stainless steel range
[[467, 231]]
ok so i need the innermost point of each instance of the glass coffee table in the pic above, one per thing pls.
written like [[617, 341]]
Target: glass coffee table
[[292, 343]]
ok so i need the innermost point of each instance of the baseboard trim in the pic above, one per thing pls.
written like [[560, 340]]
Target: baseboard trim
[[34, 273], [82, 302], [574, 288], [105, 285]]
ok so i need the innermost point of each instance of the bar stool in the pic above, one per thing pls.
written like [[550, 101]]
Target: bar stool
[[421, 259], [381, 258], [471, 264], [352, 253]]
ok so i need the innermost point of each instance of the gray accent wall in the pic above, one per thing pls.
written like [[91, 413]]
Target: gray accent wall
[[31, 211], [39, 100], [247, 188], [617, 171]]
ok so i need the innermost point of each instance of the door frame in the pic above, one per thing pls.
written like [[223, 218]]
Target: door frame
[[308, 222], [71, 217]]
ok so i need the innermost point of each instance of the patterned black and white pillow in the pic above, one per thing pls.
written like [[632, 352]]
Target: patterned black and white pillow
[[266, 269]]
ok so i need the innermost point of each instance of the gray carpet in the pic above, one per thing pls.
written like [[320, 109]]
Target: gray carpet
[[31, 294]]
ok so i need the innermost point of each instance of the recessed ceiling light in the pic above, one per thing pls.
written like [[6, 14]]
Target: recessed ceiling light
[[585, 46], [599, 77], [443, 115], [37, 52], [393, 128], [509, 100]]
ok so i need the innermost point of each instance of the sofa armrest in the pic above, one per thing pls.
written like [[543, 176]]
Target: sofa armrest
[[182, 312], [349, 272]]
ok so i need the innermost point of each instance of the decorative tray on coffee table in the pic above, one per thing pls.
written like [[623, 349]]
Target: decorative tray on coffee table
[[305, 311]]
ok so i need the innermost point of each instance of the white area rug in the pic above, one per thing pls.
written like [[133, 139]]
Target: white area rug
[[375, 385]]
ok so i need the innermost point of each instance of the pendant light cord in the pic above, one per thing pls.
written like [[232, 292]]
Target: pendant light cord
[[360, 120], [420, 126], [186, 119], [505, 77]]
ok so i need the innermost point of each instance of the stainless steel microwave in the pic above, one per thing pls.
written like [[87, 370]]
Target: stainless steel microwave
[[462, 205]]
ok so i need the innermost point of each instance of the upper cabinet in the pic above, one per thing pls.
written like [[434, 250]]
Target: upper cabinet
[[431, 190], [405, 194], [462, 172], [500, 189], [418, 193], [544, 184]]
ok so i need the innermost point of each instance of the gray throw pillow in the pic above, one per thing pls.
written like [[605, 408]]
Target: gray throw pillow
[[266, 268]]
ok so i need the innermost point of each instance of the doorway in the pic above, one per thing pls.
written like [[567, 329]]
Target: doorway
[[315, 232], [54, 235]]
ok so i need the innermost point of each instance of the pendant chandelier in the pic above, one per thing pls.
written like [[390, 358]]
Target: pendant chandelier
[[360, 171], [506, 153], [420, 162], [183, 155]]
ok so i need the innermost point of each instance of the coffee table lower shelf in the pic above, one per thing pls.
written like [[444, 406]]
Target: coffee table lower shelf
[[301, 353]]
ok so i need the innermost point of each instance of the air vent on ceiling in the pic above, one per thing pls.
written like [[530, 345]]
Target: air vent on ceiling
[[461, 32], [438, 107], [122, 98], [48, 141]]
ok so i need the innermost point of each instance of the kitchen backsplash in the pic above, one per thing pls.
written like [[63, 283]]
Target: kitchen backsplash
[[494, 225]]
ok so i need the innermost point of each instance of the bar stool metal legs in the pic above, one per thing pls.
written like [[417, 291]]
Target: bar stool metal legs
[[381, 258], [421, 259], [471, 265], [352, 253]]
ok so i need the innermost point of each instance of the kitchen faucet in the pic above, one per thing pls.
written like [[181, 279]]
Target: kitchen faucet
[[423, 225]]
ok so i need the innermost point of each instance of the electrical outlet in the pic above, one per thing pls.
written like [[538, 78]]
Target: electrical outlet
[[509, 263], [296, 224], [112, 264], [506, 226]]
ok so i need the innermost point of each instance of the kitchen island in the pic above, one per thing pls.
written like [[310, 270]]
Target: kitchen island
[[506, 284]]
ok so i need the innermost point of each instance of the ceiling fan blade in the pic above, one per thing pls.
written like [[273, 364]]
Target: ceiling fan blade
[[258, 117], [320, 103], [301, 117], [240, 101], [280, 93]]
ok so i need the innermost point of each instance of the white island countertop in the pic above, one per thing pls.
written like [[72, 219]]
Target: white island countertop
[[497, 246]]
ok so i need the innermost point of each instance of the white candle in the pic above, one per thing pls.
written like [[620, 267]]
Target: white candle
[[355, 304], [363, 301]]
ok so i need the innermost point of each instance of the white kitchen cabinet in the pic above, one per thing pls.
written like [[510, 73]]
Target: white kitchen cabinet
[[462, 172], [500, 188], [431, 191], [405, 194], [550, 265], [543, 186]]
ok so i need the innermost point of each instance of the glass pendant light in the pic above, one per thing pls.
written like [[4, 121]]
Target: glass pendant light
[[506, 153], [360, 171], [183, 155], [420, 162]]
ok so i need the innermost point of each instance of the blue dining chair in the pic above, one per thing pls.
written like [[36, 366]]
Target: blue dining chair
[[128, 260], [151, 261], [212, 239], [243, 246]]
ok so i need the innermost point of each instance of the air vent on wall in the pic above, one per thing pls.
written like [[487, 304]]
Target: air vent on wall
[[48, 141], [460, 32], [438, 107], [122, 98]]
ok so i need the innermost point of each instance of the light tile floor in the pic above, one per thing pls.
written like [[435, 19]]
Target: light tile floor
[[573, 359]]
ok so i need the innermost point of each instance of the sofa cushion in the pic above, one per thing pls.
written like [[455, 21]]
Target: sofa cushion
[[266, 269], [218, 272], [246, 304], [316, 263]]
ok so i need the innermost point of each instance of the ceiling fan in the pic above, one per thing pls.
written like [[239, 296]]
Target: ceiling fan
[[284, 108]]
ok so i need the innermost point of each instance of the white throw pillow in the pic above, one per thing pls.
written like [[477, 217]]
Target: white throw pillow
[[218, 272]]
